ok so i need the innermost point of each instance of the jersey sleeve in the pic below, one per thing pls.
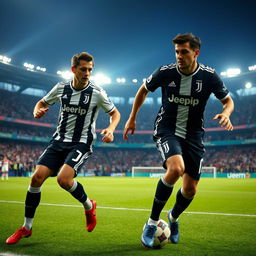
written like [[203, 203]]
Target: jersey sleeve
[[105, 103], [52, 96], [154, 80], [218, 87]]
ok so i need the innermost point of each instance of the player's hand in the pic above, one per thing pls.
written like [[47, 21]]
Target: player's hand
[[108, 135], [129, 126], [38, 113], [224, 121]]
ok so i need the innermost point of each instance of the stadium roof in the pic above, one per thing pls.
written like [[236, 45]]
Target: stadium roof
[[26, 79], [41, 80]]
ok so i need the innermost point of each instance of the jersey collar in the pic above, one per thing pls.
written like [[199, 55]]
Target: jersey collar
[[193, 73], [71, 86]]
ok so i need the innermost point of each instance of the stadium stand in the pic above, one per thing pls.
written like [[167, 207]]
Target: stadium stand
[[24, 138]]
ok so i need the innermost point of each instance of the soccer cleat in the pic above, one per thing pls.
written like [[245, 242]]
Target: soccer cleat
[[91, 219], [20, 233], [148, 235], [174, 227]]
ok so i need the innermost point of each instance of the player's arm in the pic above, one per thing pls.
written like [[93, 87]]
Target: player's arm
[[40, 109], [228, 108], [108, 133], [138, 101]]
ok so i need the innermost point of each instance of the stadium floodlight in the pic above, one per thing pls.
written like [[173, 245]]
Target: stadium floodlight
[[248, 85], [135, 81], [67, 75], [231, 72], [121, 80], [40, 69], [101, 79], [28, 66], [5, 59], [252, 68]]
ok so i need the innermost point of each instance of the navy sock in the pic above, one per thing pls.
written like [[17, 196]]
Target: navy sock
[[163, 192], [77, 191], [31, 203], [181, 204]]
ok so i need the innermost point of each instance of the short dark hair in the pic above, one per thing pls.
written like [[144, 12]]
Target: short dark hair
[[75, 61], [194, 41]]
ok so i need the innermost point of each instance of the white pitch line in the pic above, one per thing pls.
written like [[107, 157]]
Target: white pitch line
[[11, 254], [132, 209]]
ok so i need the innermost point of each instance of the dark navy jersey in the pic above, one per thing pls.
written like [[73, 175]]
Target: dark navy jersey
[[78, 111], [184, 98]]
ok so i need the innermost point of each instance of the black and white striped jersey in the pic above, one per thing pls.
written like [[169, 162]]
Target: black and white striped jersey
[[78, 111], [184, 98]]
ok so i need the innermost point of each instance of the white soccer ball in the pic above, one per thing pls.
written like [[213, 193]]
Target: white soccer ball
[[162, 234]]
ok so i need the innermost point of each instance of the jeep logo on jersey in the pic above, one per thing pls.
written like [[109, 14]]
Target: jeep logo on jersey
[[184, 101], [86, 98], [74, 110]]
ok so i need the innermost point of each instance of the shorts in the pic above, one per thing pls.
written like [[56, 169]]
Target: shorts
[[59, 153], [192, 152], [5, 169]]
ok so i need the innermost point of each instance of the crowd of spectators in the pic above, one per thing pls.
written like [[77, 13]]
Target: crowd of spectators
[[137, 138], [232, 159], [23, 156], [104, 161], [21, 106]]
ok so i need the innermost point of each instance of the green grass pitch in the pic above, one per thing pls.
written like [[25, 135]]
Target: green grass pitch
[[123, 207]]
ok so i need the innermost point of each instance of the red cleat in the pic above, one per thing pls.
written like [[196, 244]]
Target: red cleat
[[91, 219], [20, 233]]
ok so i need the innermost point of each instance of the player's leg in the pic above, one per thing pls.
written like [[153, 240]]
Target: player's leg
[[175, 169], [184, 197], [32, 201], [193, 155], [4, 171], [66, 181], [74, 161], [170, 150]]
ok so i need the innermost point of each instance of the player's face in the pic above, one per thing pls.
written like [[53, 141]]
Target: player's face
[[186, 57], [83, 71]]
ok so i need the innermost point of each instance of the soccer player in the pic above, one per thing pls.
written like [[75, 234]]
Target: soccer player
[[178, 130], [71, 144], [5, 168]]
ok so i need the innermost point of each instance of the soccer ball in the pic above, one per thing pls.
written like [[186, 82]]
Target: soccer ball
[[162, 234]]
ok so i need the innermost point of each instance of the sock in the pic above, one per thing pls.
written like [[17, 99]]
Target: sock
[[28, 222], [163, 192], [32, 201], [87, 204], [77, 191], [181, 205], [152, 222]]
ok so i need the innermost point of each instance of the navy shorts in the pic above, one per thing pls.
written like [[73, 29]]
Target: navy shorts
[[192, 152], [59, 153]]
